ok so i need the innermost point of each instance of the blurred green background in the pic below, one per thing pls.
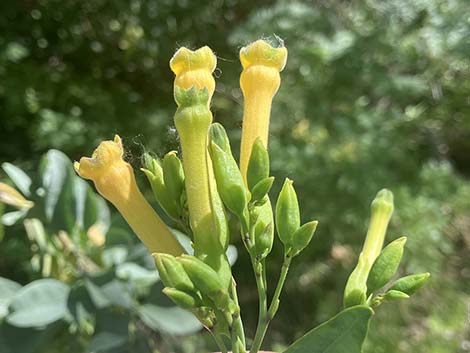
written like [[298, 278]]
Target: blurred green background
[[375, 94]]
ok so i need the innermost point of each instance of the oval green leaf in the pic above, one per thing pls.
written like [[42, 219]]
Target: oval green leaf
[[39, 303], [345, 332]]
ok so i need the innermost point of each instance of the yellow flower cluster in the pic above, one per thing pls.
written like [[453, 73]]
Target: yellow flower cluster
[[194, 86]]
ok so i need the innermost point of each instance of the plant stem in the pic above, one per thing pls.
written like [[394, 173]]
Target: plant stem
[[220, 342], [237, 320], [263, 306], [266, 316], [280, 284]]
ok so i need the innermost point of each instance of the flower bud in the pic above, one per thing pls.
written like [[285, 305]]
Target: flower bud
[[206, 280], [203, 276], [258, 166], [287, 213], [154, 173], [410, 284], [381, 211], [229, 180], [395, 295], [261, 189], [11, 196], [172, 272], [183, 299], [386, 265], [219, 136], [303, 236], [173, 175], [264, 238]]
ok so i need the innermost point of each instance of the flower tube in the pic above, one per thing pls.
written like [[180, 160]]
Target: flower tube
[[259, 82], [115, 181], [193, 87]]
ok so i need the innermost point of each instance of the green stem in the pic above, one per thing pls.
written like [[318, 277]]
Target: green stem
[[220, 342], [263, 306], [280, 284], [266, 316], [237, 320]]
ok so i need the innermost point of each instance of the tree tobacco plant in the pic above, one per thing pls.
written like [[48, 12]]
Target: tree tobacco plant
[[200, 191]]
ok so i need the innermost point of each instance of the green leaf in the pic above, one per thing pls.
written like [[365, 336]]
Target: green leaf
[[105, 291], [81, 308], [111, 331], [258, 165], [8, 289], [18, 177], [10, 218], [114, 256], [386, 265], [80, 188], [26, 340], [344, 333], [137, 275], [39, 303], [55, 168], [171, 320]]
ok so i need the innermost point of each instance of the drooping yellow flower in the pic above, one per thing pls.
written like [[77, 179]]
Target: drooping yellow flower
[[259, 82], [115, 181]]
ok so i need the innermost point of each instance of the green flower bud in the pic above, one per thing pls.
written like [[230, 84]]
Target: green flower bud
[[258, 165], [410, 284], [264, 238], [219, 136], [287, 213], [174, 274], [162, 270], [203, 276], [183, 299], [395, 295], [261, 189], [154, 173], [381, 210], [173, 175], [229, 180], [207, 281], [389, 296], [303, 236], [386, 265]]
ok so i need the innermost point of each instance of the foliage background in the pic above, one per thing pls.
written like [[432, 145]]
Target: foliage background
[[375, 94]]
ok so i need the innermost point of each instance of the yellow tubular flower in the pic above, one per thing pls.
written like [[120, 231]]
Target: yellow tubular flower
[[114, 179], [259, 82], [194, 86]]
